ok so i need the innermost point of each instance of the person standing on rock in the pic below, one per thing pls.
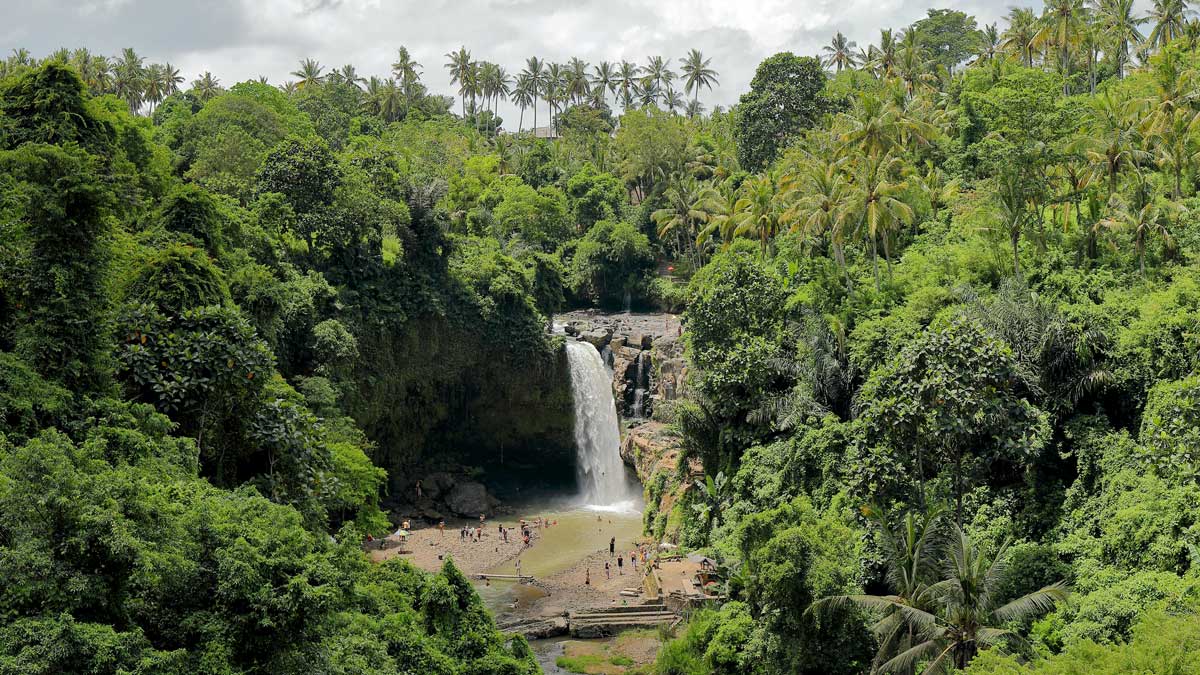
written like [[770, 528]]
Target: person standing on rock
[[612, 547]]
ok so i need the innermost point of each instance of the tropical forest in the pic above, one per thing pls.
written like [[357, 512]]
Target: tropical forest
[[888, 363]]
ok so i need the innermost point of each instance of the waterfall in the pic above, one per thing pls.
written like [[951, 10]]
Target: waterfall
[[597, 433]]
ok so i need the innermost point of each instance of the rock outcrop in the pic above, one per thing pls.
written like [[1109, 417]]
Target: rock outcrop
[[643, 350], [469, 499], [653, 449]]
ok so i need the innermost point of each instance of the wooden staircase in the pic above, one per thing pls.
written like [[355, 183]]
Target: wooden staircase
[[606, 621]]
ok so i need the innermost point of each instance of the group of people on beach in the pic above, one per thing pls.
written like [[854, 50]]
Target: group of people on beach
[[637, 555]]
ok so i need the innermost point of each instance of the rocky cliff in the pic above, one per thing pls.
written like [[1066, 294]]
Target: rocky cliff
[[644, 351]]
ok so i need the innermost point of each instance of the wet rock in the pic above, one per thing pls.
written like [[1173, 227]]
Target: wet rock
[[469, 499], [597, 338]]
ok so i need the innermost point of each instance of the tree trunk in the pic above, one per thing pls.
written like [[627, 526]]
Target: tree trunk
[[1015, 238]]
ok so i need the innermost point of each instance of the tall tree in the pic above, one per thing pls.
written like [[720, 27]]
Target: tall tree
[[459, 66], [1019, 36], [839, 53], [697, 74], [535, 70], [407, 72], [309, 74], [1170, 19], [1121, 28]]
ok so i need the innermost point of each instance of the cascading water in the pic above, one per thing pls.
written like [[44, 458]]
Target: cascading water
[[597, 432]]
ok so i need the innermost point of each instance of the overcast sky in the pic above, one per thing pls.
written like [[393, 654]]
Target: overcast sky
[[242, 39]]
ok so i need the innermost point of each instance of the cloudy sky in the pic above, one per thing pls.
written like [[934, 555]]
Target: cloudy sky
[[241, 39]]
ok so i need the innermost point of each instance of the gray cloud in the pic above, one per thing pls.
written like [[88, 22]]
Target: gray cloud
[[241, 39]]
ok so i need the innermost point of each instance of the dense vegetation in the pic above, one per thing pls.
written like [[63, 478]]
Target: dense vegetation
[[941, 310]]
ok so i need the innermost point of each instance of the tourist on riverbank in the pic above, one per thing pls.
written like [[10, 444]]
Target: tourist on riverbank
[[621, 564], [587, 577], [612, 547], [607, 570]]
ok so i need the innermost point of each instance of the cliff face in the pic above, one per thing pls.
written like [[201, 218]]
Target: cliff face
[[644, 351]]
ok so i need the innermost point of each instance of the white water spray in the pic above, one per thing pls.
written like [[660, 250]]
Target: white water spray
[[597, 433]]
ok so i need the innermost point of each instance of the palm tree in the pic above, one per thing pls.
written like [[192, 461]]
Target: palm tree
[[523, 95], [884, 61], [627, 84], [349, 75], [823, 209], [156, 85], [719, 204], [1062, 29], [1145, 222], [1173, 141], [1121, 28], [657, 70], [989, 45], [694, 109], [171, 79], [672, 99], [1018, 38], [1111, 139], [682, 217], [878, 200], [206, 86], [604, 79], [839, 53], [535, 71], [288, 87], [408, 73], [697, 74], [757, 211], [309, 73], [130, 80], [459, 66], [949, 621], [553, 90], [577, 81], [1170, 18]]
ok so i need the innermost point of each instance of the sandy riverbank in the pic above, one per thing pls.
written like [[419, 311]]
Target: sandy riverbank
[[429, 547]]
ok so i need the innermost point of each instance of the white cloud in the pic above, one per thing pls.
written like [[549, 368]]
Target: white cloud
[[241, 39]]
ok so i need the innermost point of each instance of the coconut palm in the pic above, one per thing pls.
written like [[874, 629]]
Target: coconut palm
[[129, 79], [1121, 28], [523, 96], [658, 71], [681, 218], [944, 624], [553, 88], [604, 80], [1018, 38], [349, 75], [1173, 145], [757, 213], [672, 99], [1170, 20], [697, 74], [822, 208], [460, 66], [1063, 26], [627, 83], [1111, 138], [839, 53], [719, 204], [309, 73], [1148, 221], [877, 196], [694, 109], [535, 72], [883, 59], [577, 80], [407, 72], [206, 86]]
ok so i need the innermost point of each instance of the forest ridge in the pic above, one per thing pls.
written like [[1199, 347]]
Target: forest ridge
[[940, 304]]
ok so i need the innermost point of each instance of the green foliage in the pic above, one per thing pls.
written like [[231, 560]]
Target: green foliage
[[594, 196], [610, 262], [177, 278], [1162, 643], [60, 226], [785, 98]]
